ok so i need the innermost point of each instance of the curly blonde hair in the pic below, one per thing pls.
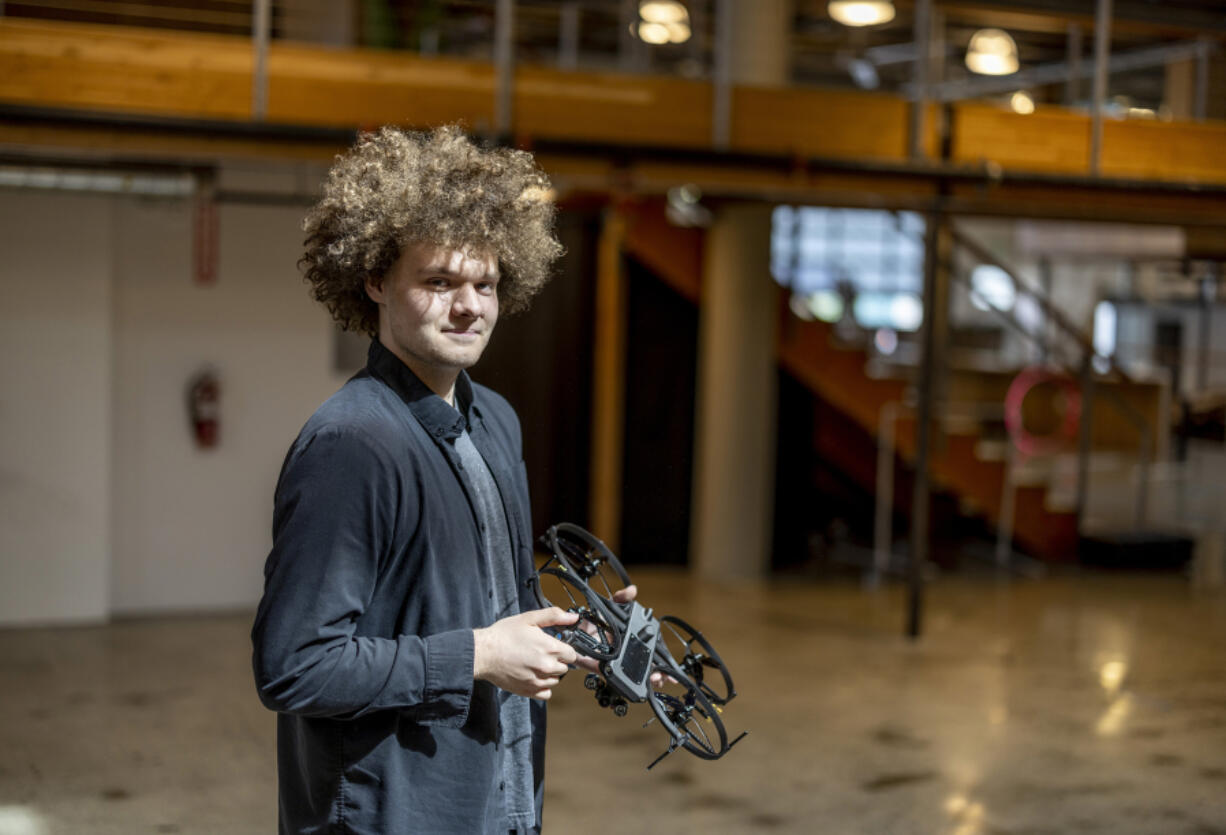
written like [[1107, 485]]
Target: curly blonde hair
[[396, 187]]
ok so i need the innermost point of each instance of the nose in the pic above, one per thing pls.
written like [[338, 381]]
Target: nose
[[466, 302]]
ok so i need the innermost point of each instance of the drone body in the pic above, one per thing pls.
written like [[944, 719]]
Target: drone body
[[641, 658]]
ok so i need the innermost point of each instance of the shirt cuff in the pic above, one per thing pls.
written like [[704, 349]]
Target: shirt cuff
[[449, 678]]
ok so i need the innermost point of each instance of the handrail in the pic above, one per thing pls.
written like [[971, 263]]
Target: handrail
[[1049, 310]]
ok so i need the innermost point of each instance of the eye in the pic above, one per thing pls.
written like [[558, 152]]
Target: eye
[[438, 283], [486, 287]]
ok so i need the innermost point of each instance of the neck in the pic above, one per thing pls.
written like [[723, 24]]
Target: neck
[[441, 381]]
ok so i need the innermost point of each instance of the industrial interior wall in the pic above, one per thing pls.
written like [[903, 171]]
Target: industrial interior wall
[[191, 525], [109, 506], [55, 416]]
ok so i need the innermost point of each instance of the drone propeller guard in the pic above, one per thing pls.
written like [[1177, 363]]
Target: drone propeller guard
[[641, 658]]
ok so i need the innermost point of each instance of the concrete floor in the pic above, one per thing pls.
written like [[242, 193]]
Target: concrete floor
[[1081, 703]]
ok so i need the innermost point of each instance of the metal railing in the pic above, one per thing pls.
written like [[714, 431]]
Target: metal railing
[[918, 56]]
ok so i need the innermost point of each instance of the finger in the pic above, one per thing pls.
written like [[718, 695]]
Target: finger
[[567, 654], [553, 616], [543, 695], [627, 594]]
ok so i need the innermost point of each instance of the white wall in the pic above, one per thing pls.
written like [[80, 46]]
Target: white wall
[[106, 506], [192, 526], [55, 390]]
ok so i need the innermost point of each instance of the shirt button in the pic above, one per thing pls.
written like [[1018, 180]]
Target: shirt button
[[502, 786], [491, 595]]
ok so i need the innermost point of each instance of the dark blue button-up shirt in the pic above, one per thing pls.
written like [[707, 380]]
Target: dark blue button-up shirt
[[363, 639]]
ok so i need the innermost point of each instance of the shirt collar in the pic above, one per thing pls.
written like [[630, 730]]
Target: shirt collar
[[433, 412]]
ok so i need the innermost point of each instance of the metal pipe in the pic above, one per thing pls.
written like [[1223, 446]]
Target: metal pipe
[[1059, 72], [1200, 100], [1004, 525], [883, 522], [919, 101], [1207, 288], [925, 388], [1084, 440], [721, 106], [504, 65], [261, 32], [1102, 50], [1143, 461], [568, 36]]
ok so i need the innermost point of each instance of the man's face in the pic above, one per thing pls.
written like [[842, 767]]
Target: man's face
[[437, 308]]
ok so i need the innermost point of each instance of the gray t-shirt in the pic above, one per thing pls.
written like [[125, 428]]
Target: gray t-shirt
[[515, 740]]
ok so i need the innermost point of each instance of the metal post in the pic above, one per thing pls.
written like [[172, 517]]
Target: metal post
[[883, 523], [504, 64], [696, 46], [1004, 527], [1045, 281], [568, 37], [721, 107], [1143, 459], [1207, 287], [1072, 87], [1200, 99], [261, 31], [1084, 439], [631, 52], [923, 52], [1102, 58], [926, 385]]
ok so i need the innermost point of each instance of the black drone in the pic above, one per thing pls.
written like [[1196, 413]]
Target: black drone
[[662, 661]]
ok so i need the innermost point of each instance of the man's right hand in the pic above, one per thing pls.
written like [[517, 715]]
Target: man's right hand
[[516, 655]]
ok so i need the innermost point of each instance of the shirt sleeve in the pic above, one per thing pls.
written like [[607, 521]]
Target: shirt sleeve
[[338, 502]]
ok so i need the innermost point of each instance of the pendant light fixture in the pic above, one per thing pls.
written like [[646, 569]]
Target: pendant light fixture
[[861, 12], [992, 52]]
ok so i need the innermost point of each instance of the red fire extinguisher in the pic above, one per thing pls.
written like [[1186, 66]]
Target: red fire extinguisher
[[204, 408]]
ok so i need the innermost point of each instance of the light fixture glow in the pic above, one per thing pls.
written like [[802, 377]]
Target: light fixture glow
[[1022, 103], [663, 11], [662, 22], [653, 33], [992, 52], [861, 12]]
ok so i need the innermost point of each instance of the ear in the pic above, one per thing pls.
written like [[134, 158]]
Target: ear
[[374, 288]]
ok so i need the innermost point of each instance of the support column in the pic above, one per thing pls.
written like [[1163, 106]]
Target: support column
[[609, 383], [735, 425]]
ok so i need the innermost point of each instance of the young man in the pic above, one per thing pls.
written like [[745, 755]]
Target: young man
[[398, 636]]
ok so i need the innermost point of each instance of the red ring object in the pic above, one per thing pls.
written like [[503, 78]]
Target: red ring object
[[1025, 382]]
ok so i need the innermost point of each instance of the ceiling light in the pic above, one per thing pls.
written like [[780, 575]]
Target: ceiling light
[[653, 33], [861, 12], [663, 11], [662, 22], [1022, 102], [992, 52]]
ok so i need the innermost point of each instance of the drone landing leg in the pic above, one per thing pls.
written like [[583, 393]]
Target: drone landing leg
[[672, 746]]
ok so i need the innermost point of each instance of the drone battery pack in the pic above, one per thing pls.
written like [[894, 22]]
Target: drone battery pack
[[628, 672]]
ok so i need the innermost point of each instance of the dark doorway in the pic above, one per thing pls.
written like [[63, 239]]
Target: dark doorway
[[661, 369], [541, 362]]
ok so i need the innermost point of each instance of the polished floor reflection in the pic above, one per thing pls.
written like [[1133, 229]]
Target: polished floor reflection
[[1077, 703]]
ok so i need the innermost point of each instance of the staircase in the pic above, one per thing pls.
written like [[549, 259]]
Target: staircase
[[964, 462]]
